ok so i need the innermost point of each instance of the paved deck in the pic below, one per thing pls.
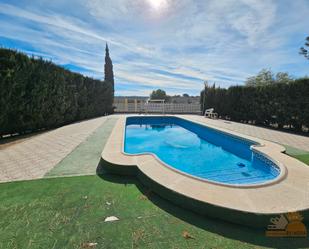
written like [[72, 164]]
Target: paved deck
[[284, 138], [34, 157], [44, 154], [84, 159]]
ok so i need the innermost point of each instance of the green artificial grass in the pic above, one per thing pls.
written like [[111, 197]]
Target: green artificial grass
[[68, 212], [304, 158], [301, 155], [83, 159]]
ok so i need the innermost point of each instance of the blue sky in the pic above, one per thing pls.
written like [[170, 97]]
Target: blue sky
[[170, 44]]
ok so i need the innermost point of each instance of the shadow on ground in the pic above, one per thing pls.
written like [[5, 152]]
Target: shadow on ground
[[232, 231]]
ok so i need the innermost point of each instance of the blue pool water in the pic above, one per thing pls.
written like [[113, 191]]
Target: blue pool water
[[198, 150]]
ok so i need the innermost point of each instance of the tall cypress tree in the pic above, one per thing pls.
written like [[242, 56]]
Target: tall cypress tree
[[109, 74]]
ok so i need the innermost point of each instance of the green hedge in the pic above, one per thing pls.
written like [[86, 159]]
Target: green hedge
[[36, 94], [278, 104]]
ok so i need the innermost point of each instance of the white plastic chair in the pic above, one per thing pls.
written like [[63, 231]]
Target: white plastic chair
[[209, 113]]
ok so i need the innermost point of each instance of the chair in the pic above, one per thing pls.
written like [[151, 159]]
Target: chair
[[209, 113]]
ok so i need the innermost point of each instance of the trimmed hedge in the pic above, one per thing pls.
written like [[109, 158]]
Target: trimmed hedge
[[37, 94], [277, 104]]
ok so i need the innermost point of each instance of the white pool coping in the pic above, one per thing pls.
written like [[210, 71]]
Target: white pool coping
[[286, 193]]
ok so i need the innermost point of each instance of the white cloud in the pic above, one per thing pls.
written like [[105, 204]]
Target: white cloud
[[174, 48]]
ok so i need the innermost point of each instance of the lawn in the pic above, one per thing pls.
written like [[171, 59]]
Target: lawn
[[304, 158], [301, 155], [69, 212]]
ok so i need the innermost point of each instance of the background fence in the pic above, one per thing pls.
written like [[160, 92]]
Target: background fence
[[169, 108]]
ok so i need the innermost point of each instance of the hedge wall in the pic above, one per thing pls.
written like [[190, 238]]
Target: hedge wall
[[278, 104], [37, 94]]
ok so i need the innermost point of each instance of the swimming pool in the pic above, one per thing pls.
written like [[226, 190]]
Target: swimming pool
[[198, 151]]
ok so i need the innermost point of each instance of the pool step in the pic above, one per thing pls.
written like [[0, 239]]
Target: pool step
[[233, 175]]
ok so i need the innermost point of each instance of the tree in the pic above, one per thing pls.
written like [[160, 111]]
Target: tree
[[303, 51], [282, 77], [159, 94], [185, 95], [109, 74], [203, 96], [264, 77]]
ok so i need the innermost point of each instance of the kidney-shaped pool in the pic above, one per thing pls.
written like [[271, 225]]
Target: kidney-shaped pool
[[198, 150]]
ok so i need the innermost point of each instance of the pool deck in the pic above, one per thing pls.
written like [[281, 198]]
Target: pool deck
[[33, 157], [43, 154], [280, 137], [287, 195]]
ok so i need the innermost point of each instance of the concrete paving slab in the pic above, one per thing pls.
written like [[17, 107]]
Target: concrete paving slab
[[34, 157]]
